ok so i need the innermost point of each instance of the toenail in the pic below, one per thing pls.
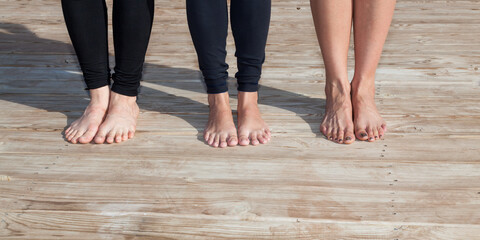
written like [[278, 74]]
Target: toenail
[[340, 140], [371, 138], [348, 138], [363, 134]]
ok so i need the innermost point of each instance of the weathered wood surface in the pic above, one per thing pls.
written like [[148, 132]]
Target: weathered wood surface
[[421, 182]]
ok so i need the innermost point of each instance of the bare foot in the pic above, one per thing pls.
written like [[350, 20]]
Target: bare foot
[[369, 125], [220, 130], [121, 120], [84, 129], [251, 127], [337, 124]]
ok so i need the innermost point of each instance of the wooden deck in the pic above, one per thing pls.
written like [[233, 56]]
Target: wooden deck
[[421, 182]]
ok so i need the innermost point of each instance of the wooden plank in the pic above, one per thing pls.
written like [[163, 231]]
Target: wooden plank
[[421, 182], [139, 225]]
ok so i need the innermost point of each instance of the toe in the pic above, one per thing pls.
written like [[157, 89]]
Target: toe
[[330, 134], [335, 135], [254, 139], [131, 133], [244, 141], [211, 139], [88, 136], [371, 136], [206, 135], [77, 135], [67, 135], [375, 133], [323, 130], [381, 132], [340, 136], [111, 136], [71, 135], [268, 134], [125, 136], [232, 140], [349, 137], [100, 137], [68, 130], [384, 126], [261, 138], [223, 141], [118, 136], [216, 141], [362, 134], [266, 137]]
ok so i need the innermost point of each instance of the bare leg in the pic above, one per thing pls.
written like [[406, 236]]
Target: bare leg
[[372, 19], [333, 22], [83, 130]]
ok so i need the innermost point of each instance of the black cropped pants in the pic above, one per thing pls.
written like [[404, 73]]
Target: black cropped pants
[[208, 23], [87, 24]]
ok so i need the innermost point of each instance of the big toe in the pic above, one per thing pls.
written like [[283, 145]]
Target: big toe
[[100, 138], [244, 141], [232, 140], [361, 134], [87, 136]]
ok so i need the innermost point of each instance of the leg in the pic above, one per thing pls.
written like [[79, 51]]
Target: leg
[[208, 24], [132, 24], [333, 22], [86, 22], [372, 19], [250, 24]]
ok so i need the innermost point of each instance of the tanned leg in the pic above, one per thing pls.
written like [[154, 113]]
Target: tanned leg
[[372, 20], [333, 22]]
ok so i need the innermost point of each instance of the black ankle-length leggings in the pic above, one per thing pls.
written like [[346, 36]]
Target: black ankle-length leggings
[[87, 25], [208, 24]]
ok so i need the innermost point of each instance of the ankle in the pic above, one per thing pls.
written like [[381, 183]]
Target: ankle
[[247, 100], [219, 100], [123, 99], [338, 92], [337, 85], [363, 94], [99, 98], [363, 84]]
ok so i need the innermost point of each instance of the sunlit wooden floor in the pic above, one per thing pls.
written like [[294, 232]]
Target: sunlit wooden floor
[[421, 182]]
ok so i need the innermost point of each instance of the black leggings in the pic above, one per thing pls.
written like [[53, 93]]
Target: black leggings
[[87, 25], [208, 23]]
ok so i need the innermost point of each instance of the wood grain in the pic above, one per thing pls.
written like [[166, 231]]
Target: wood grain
[[421, 182]]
